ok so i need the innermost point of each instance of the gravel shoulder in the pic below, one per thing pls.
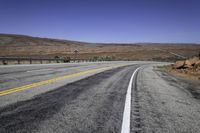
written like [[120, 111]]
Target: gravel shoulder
[[167, 103]]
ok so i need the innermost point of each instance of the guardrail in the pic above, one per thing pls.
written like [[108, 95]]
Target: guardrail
[[30, 60]]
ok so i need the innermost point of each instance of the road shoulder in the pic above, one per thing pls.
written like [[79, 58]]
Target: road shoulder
[[166, 105]]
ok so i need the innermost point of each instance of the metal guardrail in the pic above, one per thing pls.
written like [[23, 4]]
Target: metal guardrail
[[4, 60]]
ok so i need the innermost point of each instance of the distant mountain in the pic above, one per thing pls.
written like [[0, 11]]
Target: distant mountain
[[27, 46]]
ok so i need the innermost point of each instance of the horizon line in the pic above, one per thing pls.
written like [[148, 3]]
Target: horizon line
[[91, 42]]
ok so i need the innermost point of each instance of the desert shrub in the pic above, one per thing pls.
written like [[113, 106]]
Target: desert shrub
[[103, 58], [5, 62], [57, 57], [66, 59]]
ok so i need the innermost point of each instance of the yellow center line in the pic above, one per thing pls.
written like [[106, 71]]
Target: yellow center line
[[49, 81]]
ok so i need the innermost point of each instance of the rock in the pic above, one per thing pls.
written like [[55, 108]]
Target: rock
[[188, 64], [193, 60], [197, 65], [179, 64]]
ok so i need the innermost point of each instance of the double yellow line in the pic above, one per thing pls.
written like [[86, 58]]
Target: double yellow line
[[49, 81]]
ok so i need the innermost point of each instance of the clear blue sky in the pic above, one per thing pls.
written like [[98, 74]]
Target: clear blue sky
[[104, 20]]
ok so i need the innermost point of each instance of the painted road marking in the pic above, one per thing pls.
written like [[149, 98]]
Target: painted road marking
[[45, 82], [127, 108]]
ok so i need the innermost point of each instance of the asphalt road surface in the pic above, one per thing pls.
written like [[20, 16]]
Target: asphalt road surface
[[106, 97]]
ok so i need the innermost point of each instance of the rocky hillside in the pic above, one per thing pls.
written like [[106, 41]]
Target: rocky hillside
[[26, 46]]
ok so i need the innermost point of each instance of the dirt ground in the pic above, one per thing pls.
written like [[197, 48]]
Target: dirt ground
[[26, 46]]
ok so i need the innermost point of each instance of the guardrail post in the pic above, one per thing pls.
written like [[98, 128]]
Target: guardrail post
[[30, 60], [40, 61], [4, 62], [18, 61]]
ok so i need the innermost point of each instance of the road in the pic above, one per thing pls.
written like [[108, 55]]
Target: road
[[106, 97]]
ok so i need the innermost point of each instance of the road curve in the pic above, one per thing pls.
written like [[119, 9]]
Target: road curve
[[97, 102], [93, 104]]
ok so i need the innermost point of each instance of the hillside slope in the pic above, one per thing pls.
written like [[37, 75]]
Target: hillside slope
[[26, 46]]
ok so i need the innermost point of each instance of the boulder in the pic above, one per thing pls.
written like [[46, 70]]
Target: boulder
[[193, 60], [187, 64], [197, 64], [179, 64]]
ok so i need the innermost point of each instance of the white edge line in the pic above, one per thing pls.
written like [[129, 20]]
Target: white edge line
[[127, 108]]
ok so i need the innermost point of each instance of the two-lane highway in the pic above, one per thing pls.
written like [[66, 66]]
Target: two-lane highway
[[106, 97], [95, 103]]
